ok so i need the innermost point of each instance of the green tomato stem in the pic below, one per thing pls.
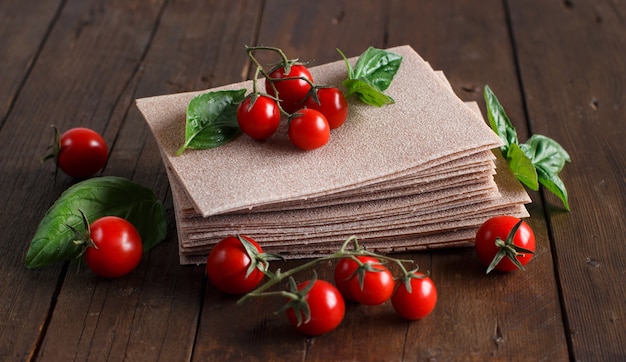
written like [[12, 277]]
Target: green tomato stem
[[343, 252]]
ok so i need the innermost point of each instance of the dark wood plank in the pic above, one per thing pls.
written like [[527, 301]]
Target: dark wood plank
[[23, 28], [84, 68], [491, 316], [25, 297], [151, 314], [572, 66], [312, 31]]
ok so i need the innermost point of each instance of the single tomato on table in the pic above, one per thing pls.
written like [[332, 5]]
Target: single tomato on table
[[369, 283], [116, 249], [233, 267], [79, 152], [505, 243], [326, 308], [415, 297]]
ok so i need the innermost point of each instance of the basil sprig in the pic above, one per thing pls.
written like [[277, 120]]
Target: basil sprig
[[538, 161], [96, 197], [371, 76], [212, 119]]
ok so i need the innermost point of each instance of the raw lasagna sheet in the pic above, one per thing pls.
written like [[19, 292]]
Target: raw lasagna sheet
[[413, 175], [426, 124], [447, 228]]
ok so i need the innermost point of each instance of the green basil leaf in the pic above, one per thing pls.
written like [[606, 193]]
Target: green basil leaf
[[522, 167], [499, 121], [546, 153], [555, 185], [96, 197], [212, 119], [378, 67], [373, 73], [367, 93], [538, 161]]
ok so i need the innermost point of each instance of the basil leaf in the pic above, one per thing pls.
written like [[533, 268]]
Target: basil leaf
[[538, 161], [96, 197], [378, 67], [367, 93], [499, 121], [372, 74], [555, 185], [546, 153], [212, 119], [522, 167]]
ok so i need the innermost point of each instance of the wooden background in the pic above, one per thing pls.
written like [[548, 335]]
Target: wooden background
[[558, 67]]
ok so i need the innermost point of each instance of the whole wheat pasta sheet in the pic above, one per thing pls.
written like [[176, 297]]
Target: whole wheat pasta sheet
[[426, 123]]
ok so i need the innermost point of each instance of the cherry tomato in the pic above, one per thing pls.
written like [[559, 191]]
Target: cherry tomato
[[308, 129], [293, 92], [82, 152], [228, 264], [378, 283], [493, 240], [332, 104], [419, 302], [117, 249], [326, 306], [259, 119]]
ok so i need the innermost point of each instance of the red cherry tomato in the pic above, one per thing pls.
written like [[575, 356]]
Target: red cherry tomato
[[378, 283], [308, 129], [117, 249], [499, 228], [260, 119], [228, 263], [332, 104], [326, 306], [293, 92], [82, 152], [419, 302]]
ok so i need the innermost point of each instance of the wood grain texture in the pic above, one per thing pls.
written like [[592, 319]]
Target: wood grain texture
[[557, 67], [24, 28], [472, 48], [581, 104]]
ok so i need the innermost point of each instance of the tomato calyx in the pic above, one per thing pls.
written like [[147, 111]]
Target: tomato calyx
[[363, 268], [297, 300], [54, 148], [413, 274], [506, 248], [260, 261], [313, 93], [83, 239]]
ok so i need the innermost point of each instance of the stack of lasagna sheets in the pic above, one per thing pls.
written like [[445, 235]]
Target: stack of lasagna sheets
[[416, 174]]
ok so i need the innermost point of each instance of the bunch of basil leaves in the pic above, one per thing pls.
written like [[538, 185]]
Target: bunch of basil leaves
[[537, 161]]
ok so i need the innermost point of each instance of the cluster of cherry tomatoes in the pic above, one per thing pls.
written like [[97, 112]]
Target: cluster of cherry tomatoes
[[237, 265], [312, 110], [113, 246]]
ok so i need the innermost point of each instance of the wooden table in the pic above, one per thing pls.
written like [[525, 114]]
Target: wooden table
[[558, 67]]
